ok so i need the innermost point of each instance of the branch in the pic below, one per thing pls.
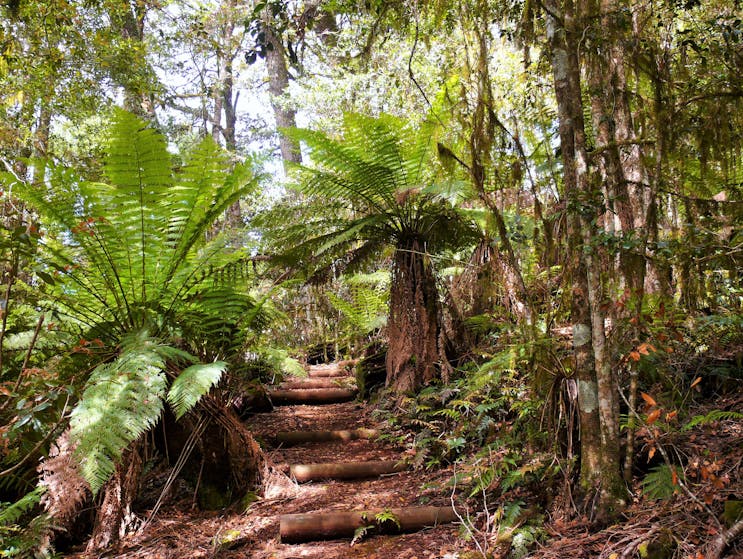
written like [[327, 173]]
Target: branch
[[410, 67], [714, 549]]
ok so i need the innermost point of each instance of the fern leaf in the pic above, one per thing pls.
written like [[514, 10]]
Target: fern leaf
[[193, 383], [11, 513], [661, 482], [121, 401], [714, 415]]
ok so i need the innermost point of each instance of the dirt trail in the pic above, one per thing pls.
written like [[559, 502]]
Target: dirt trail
[[389, 491], [181, 532]]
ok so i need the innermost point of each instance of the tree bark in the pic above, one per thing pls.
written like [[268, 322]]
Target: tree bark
[[289, 438], [413, 327], [320, 382], [312, 396], [278, 86], [597, 398], [114, 517]]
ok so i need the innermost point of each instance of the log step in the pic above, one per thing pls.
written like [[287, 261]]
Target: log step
[[325, 372], [344, 470], [299, 528], [320, 382], [288, 438], [312, 396]]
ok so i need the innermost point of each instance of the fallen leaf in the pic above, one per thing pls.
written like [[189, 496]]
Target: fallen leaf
[[653, 416]]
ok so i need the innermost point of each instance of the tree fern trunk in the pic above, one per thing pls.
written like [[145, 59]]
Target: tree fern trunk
[[115, 517], [413, 327]]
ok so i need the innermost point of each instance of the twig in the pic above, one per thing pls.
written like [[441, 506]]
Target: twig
[[467, 523]]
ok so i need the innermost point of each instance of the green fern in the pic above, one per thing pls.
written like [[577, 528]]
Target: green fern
[[141, 234], [11, 513], [386, 516], [714, 415], [366, 310], [121, 401], [193, 383], [281, 362], [661, 482], [368, 190]]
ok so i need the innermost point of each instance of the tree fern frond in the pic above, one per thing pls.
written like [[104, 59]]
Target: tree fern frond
[[122, 400], [11, 513], [192, 384], [366, 310]]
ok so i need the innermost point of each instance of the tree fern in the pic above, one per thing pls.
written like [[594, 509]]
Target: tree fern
[[142, 234], [135, 265], [372, 190]]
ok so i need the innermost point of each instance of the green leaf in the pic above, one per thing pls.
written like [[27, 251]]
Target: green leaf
[[121, 401], [192, 384], [11, 513]]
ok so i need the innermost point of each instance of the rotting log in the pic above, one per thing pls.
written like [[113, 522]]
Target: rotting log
[[298, 528], [289, 438], [344, 470], [312, 396], [319, 382]]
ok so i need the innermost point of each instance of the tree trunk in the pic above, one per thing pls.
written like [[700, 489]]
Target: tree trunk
[[597, 398], [114, 517], [312, 396], [278, 85], [290, 438], [129, 21], [344, 470], [298, 528], [413, 327]]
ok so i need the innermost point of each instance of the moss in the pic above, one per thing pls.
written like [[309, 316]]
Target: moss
[[212, 497]]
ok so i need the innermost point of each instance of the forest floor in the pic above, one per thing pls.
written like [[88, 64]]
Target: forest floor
[[714, 461]]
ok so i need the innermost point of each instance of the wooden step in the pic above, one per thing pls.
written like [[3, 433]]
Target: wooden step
[[319, 382], [327, 371], [298, 528], [344, 470], [289, 438], [312, 396]]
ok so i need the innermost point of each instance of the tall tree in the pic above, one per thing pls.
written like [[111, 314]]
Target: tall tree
[[597, 384]]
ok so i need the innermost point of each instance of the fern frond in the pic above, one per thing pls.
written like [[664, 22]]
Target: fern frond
[[714, 415], [662, 481], [121, 401], [192, 384], [11, 513], [367, 309]]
